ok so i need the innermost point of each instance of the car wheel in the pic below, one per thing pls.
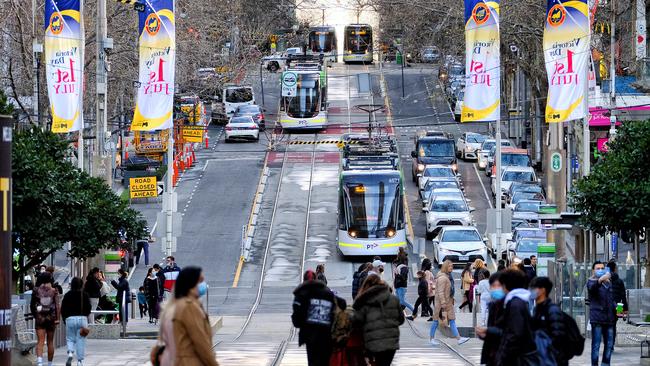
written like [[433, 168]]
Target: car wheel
[[464, 156], [457, 154]]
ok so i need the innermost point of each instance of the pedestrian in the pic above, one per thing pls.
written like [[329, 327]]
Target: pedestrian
[[467, 279], [533, 262], [192, 332], [92, 288], [602, 312], [377, 267], [152, 292], [517, 344], [443, 309], [483, 294], [170, 272], [55, 284], [320, 273], [378, 314], [619, 293], [493, 329], [123, 296], [45, 308], [142, 302], [161, 280], [142, 245], [529, 269], [423, 296], [105, 301], [75, 309], [313, 312], [547, 317], [358, 277], [401, 258], [167, 355], [401, 274]]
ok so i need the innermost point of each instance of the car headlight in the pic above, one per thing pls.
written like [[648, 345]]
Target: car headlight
[[420, 167], [454, 167], [352, 233]]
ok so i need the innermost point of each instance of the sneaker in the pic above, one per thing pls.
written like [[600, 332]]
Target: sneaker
[[430, 319], [462, 340], [69, 361], [410, 317], [80, 363], [434, 343]]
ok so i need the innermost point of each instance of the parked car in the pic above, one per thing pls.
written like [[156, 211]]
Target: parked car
[[254, 111], [459, 244], [513, 174], [243, 127], [430, 54], [468, 145]]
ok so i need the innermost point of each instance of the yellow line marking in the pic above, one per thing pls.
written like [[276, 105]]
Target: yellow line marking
[[235, 282]]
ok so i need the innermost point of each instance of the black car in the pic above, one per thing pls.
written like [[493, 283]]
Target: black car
[[433, 150], [254, 111]]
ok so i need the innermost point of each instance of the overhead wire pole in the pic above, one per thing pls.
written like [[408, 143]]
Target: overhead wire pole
[[100, 167], [6, 253]]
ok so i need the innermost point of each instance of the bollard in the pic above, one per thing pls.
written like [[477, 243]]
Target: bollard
[[123, 315], [133, 301]]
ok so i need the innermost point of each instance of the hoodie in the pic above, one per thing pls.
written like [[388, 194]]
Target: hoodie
[[518, 338], [313, 312]]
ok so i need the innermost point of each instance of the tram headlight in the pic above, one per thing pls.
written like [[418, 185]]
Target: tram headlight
[[352, 233], [390, 233], [420, 168], [454, 167]]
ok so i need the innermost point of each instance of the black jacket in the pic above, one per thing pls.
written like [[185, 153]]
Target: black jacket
[[356, 282], [602, 308], [93, 287], [423, 287], [548, 318], [152, 288], [377, 312], [494, 332], [313, 312], [122, 287], [530, 272], [401, 277], [618, 290], [75, 303], [518, 338]]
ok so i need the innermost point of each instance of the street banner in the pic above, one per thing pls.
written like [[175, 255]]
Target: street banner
[[482, 62], [566, 55], [155, 101], [64, 41]]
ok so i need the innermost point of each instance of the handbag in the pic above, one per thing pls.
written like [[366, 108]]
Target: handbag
[[156, 352]]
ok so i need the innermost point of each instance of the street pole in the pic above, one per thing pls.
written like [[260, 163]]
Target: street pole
[[555, 173], [612, 71], [100, 166], [80, 138], [170, 191], [402, 52], [262, 83], [497, 202], [6, 252], [37, 49]]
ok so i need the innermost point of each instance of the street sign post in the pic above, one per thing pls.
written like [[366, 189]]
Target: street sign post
[[289, 84], [556, 162], [143, 187], [6, 253], [545, 254]]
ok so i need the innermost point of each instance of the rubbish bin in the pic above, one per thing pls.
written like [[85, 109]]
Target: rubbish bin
[[398, 58]]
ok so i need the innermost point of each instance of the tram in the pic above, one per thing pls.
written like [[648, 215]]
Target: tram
[[322, 41], [357, 43], [371, 219], [304, 94]]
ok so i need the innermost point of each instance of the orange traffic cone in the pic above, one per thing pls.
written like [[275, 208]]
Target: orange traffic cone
[[193, 155], [126, 150], [207, 139]]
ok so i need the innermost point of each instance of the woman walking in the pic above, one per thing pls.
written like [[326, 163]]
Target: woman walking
[[152, 292], [45, 307], [467, 279], [192, 332], [123, 296], [378, 314], [320, 273], [75, 309], [444, 304]]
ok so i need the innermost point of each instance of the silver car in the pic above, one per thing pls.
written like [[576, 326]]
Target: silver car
[[446, 210]]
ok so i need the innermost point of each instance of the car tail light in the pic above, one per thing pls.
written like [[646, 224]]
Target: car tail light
[[254, 127], [260, 116], [228, 128]]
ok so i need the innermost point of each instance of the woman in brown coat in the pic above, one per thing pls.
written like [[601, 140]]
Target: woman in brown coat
[[192, 332], [444, 304]]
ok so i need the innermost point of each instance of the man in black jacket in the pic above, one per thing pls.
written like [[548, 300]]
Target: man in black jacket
[[618, 291], [517, 341], [547, 317], [491, 334], [313, 314]]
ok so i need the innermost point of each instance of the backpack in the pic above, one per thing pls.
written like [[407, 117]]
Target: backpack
[[545, 353], [341, 326], [574, 344]]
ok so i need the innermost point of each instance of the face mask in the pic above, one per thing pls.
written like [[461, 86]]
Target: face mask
[[534, 293], [203, 288], [600, 272], [497, 294]]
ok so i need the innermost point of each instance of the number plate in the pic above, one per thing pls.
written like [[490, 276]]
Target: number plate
[[463, 257]]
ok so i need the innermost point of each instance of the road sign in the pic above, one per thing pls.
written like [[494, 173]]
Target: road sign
[[160, 187], [289, 84], [143, 187], [556, 162], [193, 133]]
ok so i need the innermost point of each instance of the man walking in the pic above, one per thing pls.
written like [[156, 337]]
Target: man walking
[[601, 313], [547, 317], [170, 272], [619, 292]]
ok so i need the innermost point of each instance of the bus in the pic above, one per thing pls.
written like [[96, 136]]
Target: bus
[[322, 41], [304, 106], [371, 198], [357, 43]]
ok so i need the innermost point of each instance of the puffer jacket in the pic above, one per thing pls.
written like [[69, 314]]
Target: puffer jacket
[[313, 312], [444, 301], [602, 309], [378, 314]]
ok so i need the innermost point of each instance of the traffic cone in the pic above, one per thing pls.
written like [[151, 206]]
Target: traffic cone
[[193, 155], [188, 163], [182, 163], [207, 139], [126, 150]]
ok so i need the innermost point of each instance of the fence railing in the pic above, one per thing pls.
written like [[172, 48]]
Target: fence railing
[[59, 332]]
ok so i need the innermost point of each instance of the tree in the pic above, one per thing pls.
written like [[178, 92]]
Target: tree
[[6, 108], [54, 203]]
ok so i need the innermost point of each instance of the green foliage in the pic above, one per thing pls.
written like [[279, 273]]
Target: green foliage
[[616, 194], [6, 108], [53, 203]]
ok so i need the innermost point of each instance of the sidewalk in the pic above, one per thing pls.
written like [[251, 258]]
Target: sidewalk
[[121, 352]]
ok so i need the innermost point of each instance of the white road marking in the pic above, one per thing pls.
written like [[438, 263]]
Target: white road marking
[[487, 196], [206, 164]]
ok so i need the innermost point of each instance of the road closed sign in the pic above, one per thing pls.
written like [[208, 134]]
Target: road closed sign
[[143, 187], [289, 84]]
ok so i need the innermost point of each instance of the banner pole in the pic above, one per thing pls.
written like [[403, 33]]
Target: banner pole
[[82, 47]]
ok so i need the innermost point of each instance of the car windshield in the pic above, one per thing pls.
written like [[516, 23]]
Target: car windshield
[[306, 102], [527, 206], [518, 223], [518, 196], [528, 188], [457, 194], [487, 145], [510, 176], [447, 205], [515, 159], [249, 109], [432, 184], [239, 95], [438, 172], [460, 235], [475, 139], [436, 148], [241, 120], [528, 245], [321, 41]]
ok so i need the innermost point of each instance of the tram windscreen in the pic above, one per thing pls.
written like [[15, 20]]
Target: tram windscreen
[[373, 204], [321, 41], [358, 40], [306, 102]]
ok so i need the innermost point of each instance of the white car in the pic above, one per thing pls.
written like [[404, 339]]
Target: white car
[[430, 185], [506, 238], [275, 62], [446, 210], [468, 145], [459, 244], [484, 151], [456, 192], [243, 127], [513, 174], [433, 172]]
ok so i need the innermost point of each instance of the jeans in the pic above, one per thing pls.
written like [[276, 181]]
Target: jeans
[[606, 332], [318, 354], [401, 295], [452, 325], [426, 309], [76, 343], [94, 302]]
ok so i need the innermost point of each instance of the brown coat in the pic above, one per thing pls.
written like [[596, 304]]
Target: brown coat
[[468, 280], [432, 283], [443, 301], [192, 334]]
